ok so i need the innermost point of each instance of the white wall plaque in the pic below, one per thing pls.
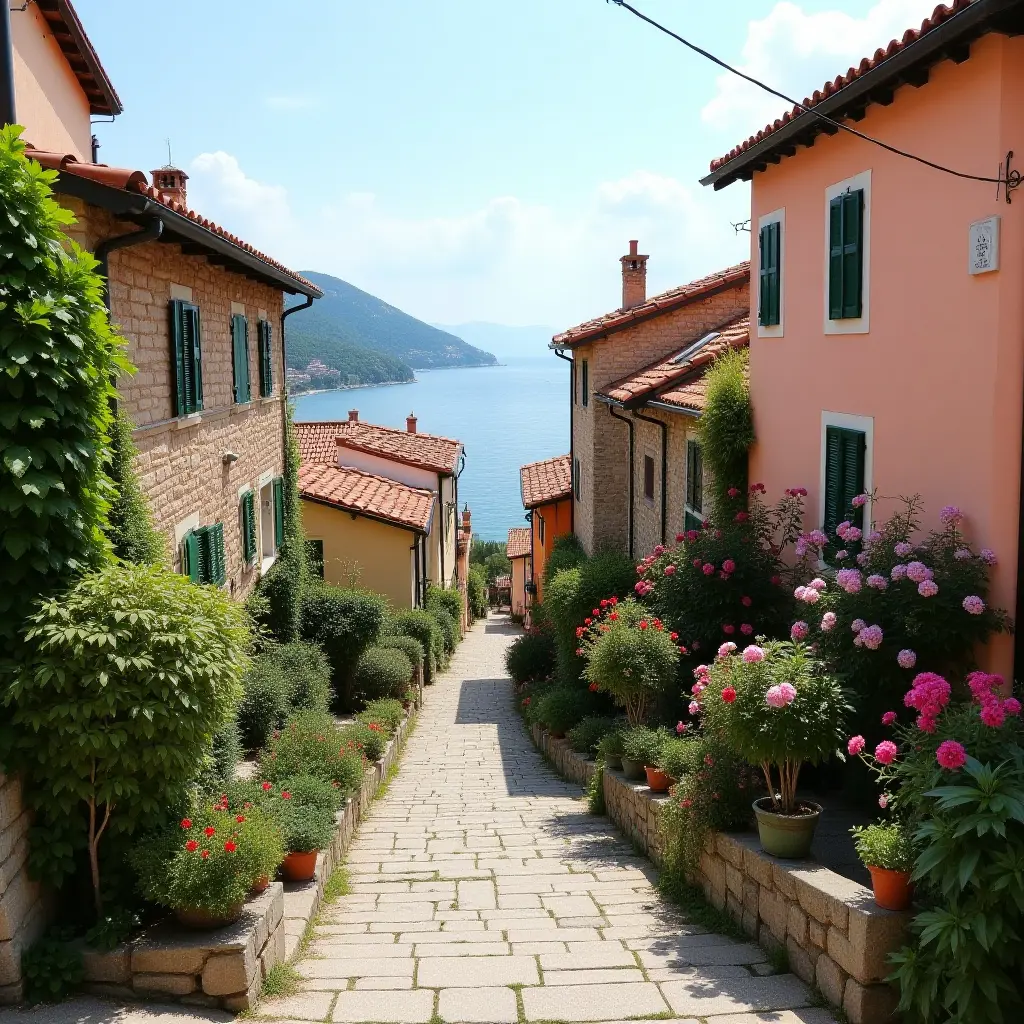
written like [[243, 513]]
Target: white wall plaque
[[984, 249]]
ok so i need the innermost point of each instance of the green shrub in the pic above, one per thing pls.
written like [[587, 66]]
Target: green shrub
[[566, 553], [408, 645], [585, 736], [381, 672], [226, 753], [388, 713], [265, 702], [612, 742], [343, 623], [305, 827], [885, 844], [726, 428], [126, 752], [310, 743], [130, 526], [476, 591], [422, 626], [369, 738], [643, 744], [677, 757], [531, 656], [313, 791], [59, 358], [308, 672], [448, 598], [450, 632], [560, 708], [52, 969], [276, 602]]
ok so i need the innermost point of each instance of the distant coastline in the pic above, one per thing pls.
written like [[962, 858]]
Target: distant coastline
[[394, 383]]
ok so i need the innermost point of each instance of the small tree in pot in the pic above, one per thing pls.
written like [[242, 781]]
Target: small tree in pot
[[887, 850], [774, 706], [307, 829]]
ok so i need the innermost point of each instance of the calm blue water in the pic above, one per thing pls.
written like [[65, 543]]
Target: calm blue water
[[505, 416]]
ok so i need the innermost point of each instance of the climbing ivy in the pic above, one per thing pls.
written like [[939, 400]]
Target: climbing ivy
[[130, 527]]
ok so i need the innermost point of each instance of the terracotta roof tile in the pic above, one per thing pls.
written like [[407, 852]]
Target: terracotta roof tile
[[367, 494], [547, 481], [670, 371], [137, 182], [319, 442], [941, 14], [518, 542], [663, 303]]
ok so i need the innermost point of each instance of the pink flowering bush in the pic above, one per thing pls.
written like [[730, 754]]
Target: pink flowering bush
[[777, 712]]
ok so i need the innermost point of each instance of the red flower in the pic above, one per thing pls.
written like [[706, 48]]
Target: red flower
[[285, 795], [587, 621], [240, 817], [728, 629], [266, 786], [613, 616], [604, 602], [209, 830], [680, 538], [205, 854], [776, 580], [742, 517], [592, 687], [186, 822], [673, 636], [595, 612], [613, 600], [746, 601], [191, 846], [643, 623], [728, 695], [230, 847]]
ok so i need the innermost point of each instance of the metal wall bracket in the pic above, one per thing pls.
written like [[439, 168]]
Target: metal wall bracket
[[1010, 179]]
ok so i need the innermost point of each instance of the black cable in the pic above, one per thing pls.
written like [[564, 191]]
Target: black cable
[[810, 110]]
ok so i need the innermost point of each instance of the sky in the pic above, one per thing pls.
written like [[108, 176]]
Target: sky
[[469, 160]]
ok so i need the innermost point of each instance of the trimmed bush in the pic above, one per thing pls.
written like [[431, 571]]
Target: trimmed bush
[[308, 673], [560, 708], [726, 429], [450, 599], [311, 744], [388, 713], [476, 591], [265, 702], [585, 736], [227, 752], [531, 656], [130, 526], [313, 791], [449, 631], [424, 627], [370, 739], [276, 602], [567, 553], [408, 645], [381, 672]]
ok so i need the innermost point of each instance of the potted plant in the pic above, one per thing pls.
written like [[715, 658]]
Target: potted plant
[[886, 849], [675, 758], [775, 707], [610, 748], [640, 748], [307, 830], [559, 709]]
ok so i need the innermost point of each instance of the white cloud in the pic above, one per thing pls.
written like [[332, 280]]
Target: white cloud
[[507, 261], [797, 52]]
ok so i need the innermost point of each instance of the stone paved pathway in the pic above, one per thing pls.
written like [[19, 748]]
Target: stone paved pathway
[[483, 891]]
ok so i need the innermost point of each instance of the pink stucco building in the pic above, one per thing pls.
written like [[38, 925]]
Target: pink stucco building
[[888, 295]]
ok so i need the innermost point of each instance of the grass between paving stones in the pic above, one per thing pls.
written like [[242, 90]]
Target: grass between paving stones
[[282, 980], [337, 885], [690, 899], [778, 957]]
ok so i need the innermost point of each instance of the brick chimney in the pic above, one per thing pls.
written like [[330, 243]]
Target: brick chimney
[[634, 277], [353, 415], [170, 182], [467, 525], [410, 423]]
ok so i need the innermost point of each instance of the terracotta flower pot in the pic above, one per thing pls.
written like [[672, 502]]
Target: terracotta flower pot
[[893, 889], [657, 780], [633, 770], [786, 835], [260, 885], [199, 919], [299, 867]]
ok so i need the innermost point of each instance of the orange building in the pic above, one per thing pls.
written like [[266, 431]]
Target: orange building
[[518, 552], [547, 496]]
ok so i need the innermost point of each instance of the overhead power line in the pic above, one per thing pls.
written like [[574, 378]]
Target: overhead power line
[[707, 55]]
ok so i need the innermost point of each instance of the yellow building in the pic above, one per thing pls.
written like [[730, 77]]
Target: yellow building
[[518, 552]]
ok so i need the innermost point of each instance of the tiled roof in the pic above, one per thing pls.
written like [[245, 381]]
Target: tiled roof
[[663, 303], [941, 14], [503, 582], [136, 182], [319, 442], [367, 494], [547, 481], [518, 542], [81, 56], [668, 372]]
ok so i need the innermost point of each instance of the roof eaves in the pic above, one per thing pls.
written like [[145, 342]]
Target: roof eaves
[[363, 514]]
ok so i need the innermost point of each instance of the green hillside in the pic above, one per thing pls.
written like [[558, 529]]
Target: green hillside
[[347, 321]]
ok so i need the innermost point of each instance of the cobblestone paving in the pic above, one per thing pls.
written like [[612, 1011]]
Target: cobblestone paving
[[482, 891]]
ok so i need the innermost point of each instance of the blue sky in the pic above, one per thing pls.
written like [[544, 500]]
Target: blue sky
[[468, 159]]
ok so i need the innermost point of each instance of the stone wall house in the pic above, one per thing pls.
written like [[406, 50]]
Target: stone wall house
[[612, 348]]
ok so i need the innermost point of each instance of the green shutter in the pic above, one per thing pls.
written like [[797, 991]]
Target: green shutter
[[846, 255], [216, 570], [844, 474], [240, 354], [278, 512], [266, 359], [248, 510], [178, 356], [769, 294], [186, 357], [835, 259], [694, 479], [193, 345], [191, 563]]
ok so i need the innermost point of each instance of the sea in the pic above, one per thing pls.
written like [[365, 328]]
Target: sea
[[505, 416]]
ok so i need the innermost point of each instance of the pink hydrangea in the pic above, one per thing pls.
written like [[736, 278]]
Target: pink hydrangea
[[842, 528], [853, 534], [862, 558], [702, 671], [708, 569], [886, 751], [800, 548], [988, 556], [859, 501], [918, 572], [781, 695], [753, 654], [927, 588], [808, 595], [841, 555], [658, 550], [888, 718], [876, 581], [670, 570], [857, 625], [799, 593], [906, 658], [828, 621], [799, 630], [951, 755], [818, 584], [746, 629], [726, 649], [818, 538], [680, 728], [871, 637], [1011, 706], [962, 554], [728, 565], [699, 688], [898, 571], [694, 708], [992, 714], [903, 548], [728, 628], [855, 745], [849, 580], [950, 516], [926, 723], [883, 801], [929, 694], [973, 605], [874, 537]]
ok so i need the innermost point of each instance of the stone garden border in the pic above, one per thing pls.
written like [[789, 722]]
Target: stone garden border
[[834, 933], [226, 968]]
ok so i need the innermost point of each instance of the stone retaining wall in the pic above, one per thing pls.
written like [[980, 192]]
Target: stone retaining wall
[[835, 935], [227, 967]]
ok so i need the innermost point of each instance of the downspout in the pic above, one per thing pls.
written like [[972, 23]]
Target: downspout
[[416, 571], [664, 468], [572, 435], [152, 232], [1018, 633], [284, 348], [8, 113], [629, 423], [444, 523]]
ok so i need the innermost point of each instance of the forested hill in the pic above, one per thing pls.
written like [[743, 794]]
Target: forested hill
[[347, 320]]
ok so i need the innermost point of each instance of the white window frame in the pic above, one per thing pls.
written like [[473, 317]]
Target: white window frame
[[862, 324], [866, 425], [775, 330]]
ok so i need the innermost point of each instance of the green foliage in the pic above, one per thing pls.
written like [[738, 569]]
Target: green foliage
[[450, 632], [566, 553], [225, 754], [126, 679], [531, 656], [630, 655], [448, 598], [643, 744], [59, 359], [283, 979], [52, 969], [476, 591], [585, 736], [381, 672], [726, 428], [497, 565], [265, 702], [809, 728], [480, 550], [111, 930], [347, 366], [368, 737], [293, 543], [311, 743], [612, 742], [408, 645], [306, 827], [595, 791], [343, 623], [387, 713], [275, 602], [676, 757], [885, 844], [560, 708], [422, 626], [130, 520], [308, 672]]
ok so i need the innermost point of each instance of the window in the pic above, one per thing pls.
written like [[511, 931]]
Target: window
[[315, 556], [769, 312], [203, 555], [266, 359], [577, 486], [540, 528], [694, 486], [845, 451], [240, 357], [845, 255], [247, 509], [585, 382], [278, 512], [186, 351], [649, 479]]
